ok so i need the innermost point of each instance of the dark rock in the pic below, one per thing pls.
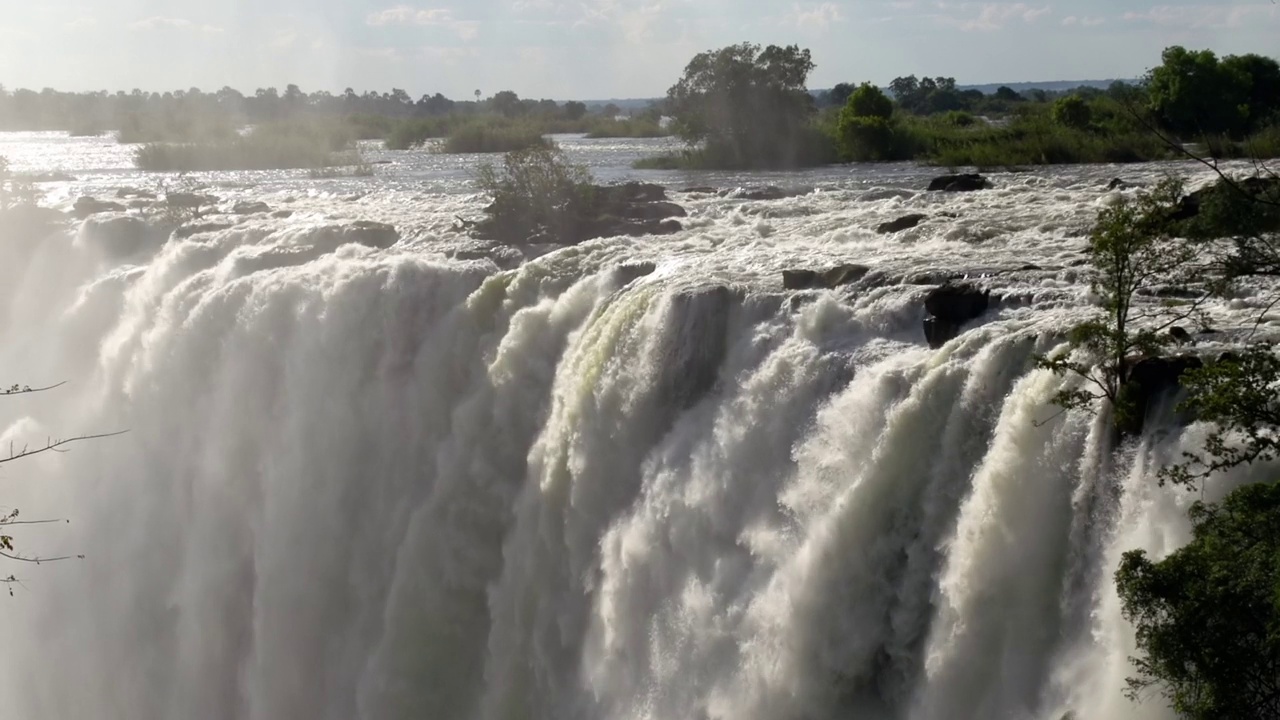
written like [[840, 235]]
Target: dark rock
[[701, 190], [1118, 184], [1229, 357], [823, 279], [122, 236], [950, 307], [1181, 336], [771, 192], [1150, 380], [906, 222], [126, 193], [247, 207], [694, 344], [1030, 266], [959, 183], [87, 206], [372, 234], [660, 210], [632, 192], [282, 214]]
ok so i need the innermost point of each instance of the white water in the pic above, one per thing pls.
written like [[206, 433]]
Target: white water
[[385, 484]]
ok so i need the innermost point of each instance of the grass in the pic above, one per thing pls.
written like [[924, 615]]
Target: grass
[[275, 146]]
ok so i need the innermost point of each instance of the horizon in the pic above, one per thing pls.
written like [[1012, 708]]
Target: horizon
[[636, 48]]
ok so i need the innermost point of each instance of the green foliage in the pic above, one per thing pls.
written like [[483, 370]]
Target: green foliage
[[1194, 94], [1208, 616], [1131, 252], [1073, 112], [748, 106], [272, 146], [535, 188], [868, 139], [869, 102], [492, 137]]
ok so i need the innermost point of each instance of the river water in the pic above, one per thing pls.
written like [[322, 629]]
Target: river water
[[442, 480]]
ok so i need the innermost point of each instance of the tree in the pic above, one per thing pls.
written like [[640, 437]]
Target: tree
[[1192, 93], [868, 101], [1132, 251], [575, 110], [750, 106], [865, 130], [1208, 616], [839, 95], [535, 191], [1008, 94], [1073, 112], [1263, 96], [506, 103]]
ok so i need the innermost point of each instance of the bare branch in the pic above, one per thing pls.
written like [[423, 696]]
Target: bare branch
[[56, 446], [25, 390]]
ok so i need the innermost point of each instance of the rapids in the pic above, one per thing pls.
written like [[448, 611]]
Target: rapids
[[431, 480]]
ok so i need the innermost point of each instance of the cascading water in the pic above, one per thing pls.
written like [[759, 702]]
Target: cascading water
[[630, 480]]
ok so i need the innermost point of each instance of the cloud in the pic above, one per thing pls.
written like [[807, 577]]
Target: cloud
[[814, 17], [1205, 16], [988, 16], [165, 23], [430, 17], [1082, 21], [81, 23]]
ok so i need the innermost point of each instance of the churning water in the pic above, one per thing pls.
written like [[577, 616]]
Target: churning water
[[438, 480]]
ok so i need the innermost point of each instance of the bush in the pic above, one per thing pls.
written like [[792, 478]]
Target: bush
[[493, 138], [275, 146], [536, 190], [630, 128], [869, 139], [1073, 112], [1208, 616], [868, 101]]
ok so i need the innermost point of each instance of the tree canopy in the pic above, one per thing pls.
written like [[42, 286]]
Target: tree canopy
[[1193, 93], [746, 103]]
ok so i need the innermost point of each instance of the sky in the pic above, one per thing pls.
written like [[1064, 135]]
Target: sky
[[591, 49]]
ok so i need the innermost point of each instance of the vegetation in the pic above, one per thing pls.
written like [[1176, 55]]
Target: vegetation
[[1208, 616], [483, 137], [535, 191], [280, 145]]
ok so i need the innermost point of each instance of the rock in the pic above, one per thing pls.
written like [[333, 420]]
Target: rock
[[188, 201], [771, 192], [632, 192], [906, 222], [1181, 336], [282, 214], [653, 211], [1118, 184], [126, 193], [967, 182], [87, 206], [372, 234], [1030, 267], [823, 279], [694, 343], [122, 236], [247, 207], [950, 307], [700, 190], [1150, 380]]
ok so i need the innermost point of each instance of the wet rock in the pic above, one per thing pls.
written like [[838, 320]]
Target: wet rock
[[771, 192], [629, 210], [246, 207], [122, 236], [906, 222], [700, 190], [950, 307], [694, 344], [967, 182], [1181, 336], [631, 192], [87, 206], [1118, 184], [823, 279], [282, 214], [660, 210], [1151, 380], [1029, 267]]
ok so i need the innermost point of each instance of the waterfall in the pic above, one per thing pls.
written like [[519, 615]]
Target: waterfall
[[382, 484]]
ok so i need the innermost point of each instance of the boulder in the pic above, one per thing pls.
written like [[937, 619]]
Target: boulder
[[628, 272], [187, 231], [87, 206], [631, 192], [967, 182], [950, 307], [906, 222], [122, 236], [1150, 380], [771, 192], [700, 190], [282, 214], [1118, 184], [247, 207], [823, 279], [371, 234]]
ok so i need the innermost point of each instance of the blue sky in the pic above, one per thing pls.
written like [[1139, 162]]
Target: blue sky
[[590, 49]]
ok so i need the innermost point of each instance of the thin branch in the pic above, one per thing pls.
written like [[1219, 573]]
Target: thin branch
[[11, 523], [38, 561], [24, 390], [55, 446]]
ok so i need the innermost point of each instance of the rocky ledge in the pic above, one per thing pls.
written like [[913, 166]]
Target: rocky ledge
[[632, 209]]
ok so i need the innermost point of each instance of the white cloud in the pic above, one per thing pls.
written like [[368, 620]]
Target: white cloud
[[988, 16], [1083, 21], [814, 17], [430, 17], [165, 23], [1205, 16], [81, 23]]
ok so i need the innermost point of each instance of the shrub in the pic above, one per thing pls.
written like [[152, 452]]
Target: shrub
[[868, 101], [535, 190], [1072, 111], [493, 138], [274, 146]]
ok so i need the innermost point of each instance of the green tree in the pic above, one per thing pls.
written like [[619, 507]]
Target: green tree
[[1208, 616], [1192, 93], [865, 130], [749, 106], [506, 103], [1132, 251], [534, 191], [869, 101], [1263, 96], [1072, 111], [574, 110]]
